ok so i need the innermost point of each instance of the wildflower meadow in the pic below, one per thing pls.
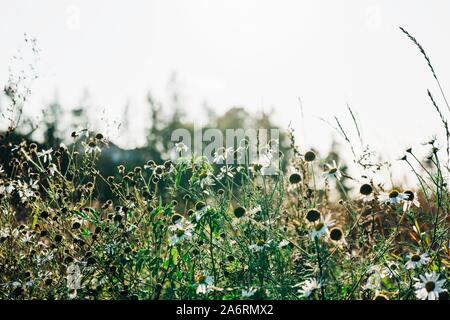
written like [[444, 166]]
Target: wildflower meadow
[[256, 218]]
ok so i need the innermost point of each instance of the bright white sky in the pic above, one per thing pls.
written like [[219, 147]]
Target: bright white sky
[[253, 53]]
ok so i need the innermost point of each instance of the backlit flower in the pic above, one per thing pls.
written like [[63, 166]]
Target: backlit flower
[[392, 197], [428, 286], [416, 260], [307, 287], [332, 171]]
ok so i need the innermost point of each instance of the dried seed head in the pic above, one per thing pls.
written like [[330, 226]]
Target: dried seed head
[[239, 212], [90, 261], [313, 215], [76, 225], [199, 205], [176, 218], [186, 197], [336, 234], [295, 178], [159, 170], [33, 147], [366, 189], [310, 156]]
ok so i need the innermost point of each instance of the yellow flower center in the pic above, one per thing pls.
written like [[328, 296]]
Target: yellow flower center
[[393, 194], [430, 285], [260, 243]]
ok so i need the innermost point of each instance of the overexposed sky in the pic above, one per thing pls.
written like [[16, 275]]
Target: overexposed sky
[[254, 53]]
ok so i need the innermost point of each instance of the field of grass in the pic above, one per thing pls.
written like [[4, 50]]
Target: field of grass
[[190, 229]]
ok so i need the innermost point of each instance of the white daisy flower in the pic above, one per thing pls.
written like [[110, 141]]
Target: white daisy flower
[[27, 238], [9, 188], [260, 164], [260, 245], [283, 243], [255, 210], [183, 231], [392, 197], [271, 169], [378, 270], [322, 226], [6, 232], [416, 260], [332, 171], [200, 213], [429, 286], [52, 169], [73, 277], [376, 274], [373, 282], [206, 180], [267, 152], [307, 287], [181, 148], [225, 171], [26, 190], [204, 283], [1, 169], [46, 155], [180, 235], [91, 148], [392, 269], [410, 199], [247, 293], [222, 154]]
